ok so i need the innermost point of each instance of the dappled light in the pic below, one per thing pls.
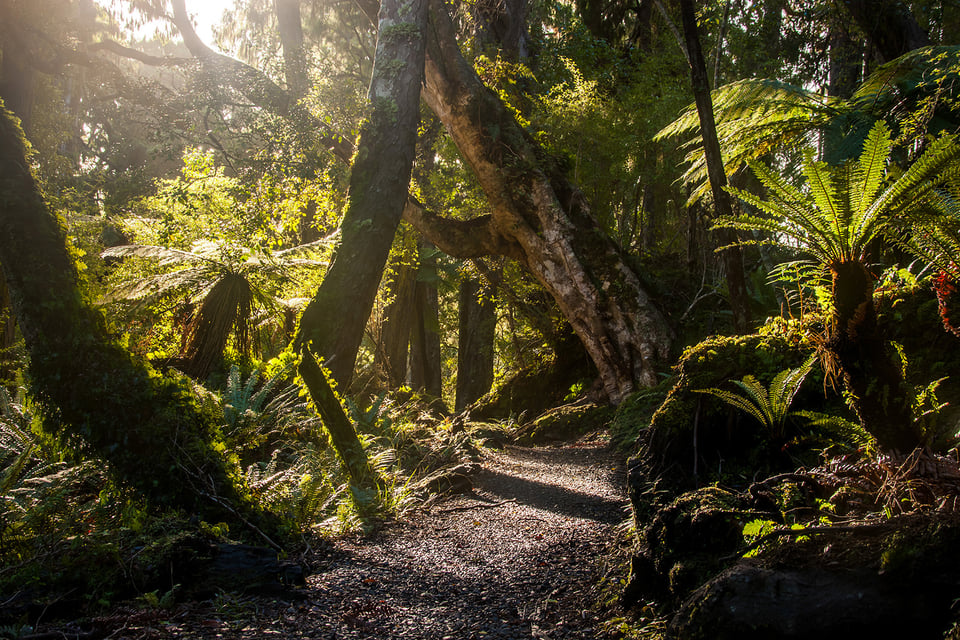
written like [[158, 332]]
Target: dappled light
[[501, 320]]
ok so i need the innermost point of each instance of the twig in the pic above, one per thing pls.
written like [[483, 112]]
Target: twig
[[482, 505]]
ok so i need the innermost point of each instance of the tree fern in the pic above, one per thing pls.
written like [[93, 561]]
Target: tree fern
[[770, 406], [228, 282]]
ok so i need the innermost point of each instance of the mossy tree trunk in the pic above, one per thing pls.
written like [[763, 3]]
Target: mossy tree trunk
[[871, 372], [364, 482], [478, 319], [394, 338], [148, 428], [334, 321]]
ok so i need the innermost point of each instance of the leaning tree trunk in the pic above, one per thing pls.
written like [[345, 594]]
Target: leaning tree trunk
[[871, 373], [541, 220], [334, 321], [148, 428]]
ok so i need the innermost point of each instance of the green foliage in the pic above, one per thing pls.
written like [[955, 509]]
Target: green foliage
[[754, 118], [770, 406], [914, 94]]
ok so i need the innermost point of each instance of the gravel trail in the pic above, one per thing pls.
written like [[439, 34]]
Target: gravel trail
[[515, 558]]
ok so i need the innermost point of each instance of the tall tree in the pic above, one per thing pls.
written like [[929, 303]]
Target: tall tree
[[290, 26], [732, 256], [334, 321]]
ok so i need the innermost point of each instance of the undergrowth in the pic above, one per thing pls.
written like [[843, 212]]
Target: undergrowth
[[69, 534]]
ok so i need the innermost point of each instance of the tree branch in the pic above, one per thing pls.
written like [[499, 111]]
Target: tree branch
[[258, 88]]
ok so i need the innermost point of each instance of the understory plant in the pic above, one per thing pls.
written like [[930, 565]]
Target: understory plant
[[837, 218]]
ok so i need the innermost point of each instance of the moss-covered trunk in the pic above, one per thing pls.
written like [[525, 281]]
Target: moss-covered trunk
[[543, 221], [871, 372], [334, 321], [364, 482], [148, 428]]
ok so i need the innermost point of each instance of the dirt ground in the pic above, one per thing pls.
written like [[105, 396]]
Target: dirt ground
[[520, 556]]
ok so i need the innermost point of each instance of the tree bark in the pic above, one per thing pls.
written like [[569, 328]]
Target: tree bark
[[334, 321], [364, 481], [148, 428], [478, 320], [732, 256], [394, 342], [425, 372], [889, 25]]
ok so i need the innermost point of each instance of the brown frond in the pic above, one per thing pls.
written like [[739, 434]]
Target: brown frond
[[225, 310]]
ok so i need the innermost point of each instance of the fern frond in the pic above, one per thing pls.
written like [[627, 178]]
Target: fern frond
[[871, 167], [736, 401]]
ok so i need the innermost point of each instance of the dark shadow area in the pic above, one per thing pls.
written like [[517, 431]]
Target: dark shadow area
[[552, 498]]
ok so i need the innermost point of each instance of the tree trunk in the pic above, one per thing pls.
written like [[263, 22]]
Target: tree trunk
[[8, 334], [394, 343], [17, 84], [365, 484], [148, 428], [871, 372], [541, 220], [732, 256], [291, 38], [334, 321], [478, 321], [425, 372]]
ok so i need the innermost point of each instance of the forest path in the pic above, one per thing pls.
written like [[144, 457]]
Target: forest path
[[518, 557]]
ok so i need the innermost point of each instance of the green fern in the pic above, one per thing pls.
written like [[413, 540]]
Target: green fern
[[915, 93], [770, 406], [844, 209]]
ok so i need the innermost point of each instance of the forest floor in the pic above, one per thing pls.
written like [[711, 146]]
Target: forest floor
[[522, 555]]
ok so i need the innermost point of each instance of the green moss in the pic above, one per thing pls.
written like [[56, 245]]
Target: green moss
[[392, 68], [385, 111], [402, 31], [696, 438], [564, 423]]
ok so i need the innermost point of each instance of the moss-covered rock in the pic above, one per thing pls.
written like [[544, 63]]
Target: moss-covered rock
[[686, 543], [693, 437], [566, 422], [534, 390]]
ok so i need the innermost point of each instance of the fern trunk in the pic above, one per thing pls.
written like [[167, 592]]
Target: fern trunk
[[871, 372]]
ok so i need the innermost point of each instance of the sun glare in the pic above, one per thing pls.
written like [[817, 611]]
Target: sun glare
[[206, 15]]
